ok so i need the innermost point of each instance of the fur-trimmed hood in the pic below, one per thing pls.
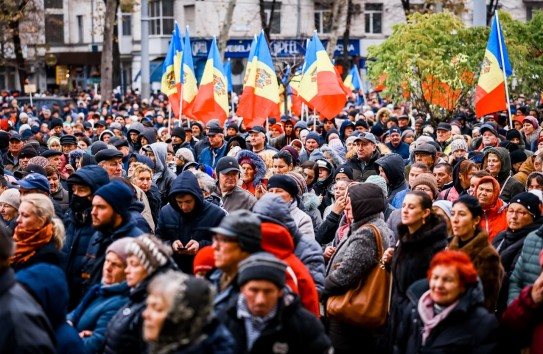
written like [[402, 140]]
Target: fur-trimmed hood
[[258, 163]]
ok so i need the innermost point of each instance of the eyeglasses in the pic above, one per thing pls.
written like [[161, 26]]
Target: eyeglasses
[[423, 189]]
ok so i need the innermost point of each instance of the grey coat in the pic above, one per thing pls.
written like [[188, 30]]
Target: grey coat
[[527, 269], [356, 255]]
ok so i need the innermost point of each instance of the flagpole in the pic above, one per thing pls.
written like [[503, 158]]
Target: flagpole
[[170, 118], [503, 69]]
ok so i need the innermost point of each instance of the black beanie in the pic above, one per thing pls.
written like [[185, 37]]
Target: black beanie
[[366, 199], [179, 132], [234, 126], [284, 182], [262, 266], [529, 201], [517, 156], [512, 134]]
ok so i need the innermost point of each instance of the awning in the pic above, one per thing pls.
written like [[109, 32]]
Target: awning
[[79, 58]]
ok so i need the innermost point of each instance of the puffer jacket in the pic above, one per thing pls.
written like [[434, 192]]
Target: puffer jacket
[[95, 311], [162, 175], [62, 197], [277, 241], [525, 169], [273, 208], [468, 328], [494, 219], [527, 269], [509, 187], [393, 166], [174, 225], [361, 169], [487, 263]]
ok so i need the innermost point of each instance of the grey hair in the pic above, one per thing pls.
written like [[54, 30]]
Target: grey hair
[[208, 183]]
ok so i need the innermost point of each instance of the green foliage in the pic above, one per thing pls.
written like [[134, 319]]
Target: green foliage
[[439, 47]]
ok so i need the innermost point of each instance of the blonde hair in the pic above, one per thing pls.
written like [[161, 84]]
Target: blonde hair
[[141, 168], [43, 207]]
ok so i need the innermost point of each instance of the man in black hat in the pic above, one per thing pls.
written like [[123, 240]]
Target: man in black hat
[[444, 137], [233, 196], [217, 146], [427, 154], [100, 127], [26, 153], [11, 157], [235, 238], [111, 161], [54, 157], [179, 139], [274, 317], [68, 143]]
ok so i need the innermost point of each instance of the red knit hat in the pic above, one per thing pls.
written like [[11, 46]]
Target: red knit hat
[[204, 260]]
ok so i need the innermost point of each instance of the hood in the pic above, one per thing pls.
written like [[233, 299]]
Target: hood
[[366, 199], [276, 240], [143, 159], [344, 125], [260, 165], [272, 208], [107, 131], [93, 176], [136, 127], [49, 287], [75, 154], [310, 201], [503, 154], [393, 166], [496, 185], [381, 112], [186, 183], [161, 152], [149, 134]]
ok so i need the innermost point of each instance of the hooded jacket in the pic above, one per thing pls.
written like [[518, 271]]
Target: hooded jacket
[[453, 193], [277, 241], [273, 208], [525, 169], [149, 134], [136, 127], [79, 231], [494, 219], [260, 169], [174, 225], [468, 328], [487, 263], [509, 186], [393, 166], [162, 175], [47, 284]]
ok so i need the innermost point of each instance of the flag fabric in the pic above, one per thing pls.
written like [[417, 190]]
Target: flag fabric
[[246, 100], [296, 105], [228, 73], [260, 98], [353, 79], [347, 90], [212, 99], [188, 79], [170, 83], [490, 95], [319, 85]]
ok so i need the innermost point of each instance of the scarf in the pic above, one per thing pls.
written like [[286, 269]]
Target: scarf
[[29, 241], [429, 317]]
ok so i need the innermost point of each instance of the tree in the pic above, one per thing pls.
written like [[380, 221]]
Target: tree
[[264, 21], [338, 8], [432, 6], [106, 66], [225, 28]]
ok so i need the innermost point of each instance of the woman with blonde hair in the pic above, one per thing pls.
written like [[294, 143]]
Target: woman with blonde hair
[[142, 177], [39, 234]]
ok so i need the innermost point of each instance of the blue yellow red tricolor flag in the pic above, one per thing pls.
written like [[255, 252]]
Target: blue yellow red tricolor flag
[[212, 99], [319, 85], [188, 79], [490, 95], [260, 97], [353, 80], [228, 74], [170, 84]]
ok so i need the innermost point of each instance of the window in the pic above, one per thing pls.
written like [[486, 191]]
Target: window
[[275, 26], [80, 28], [54, 28], [161, 18], [373, 17], [190, 15], [323, 18], [531, 8], [126, 25], [53, 4]]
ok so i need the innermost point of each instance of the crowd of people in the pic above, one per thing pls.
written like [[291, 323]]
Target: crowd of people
[[124, 231]]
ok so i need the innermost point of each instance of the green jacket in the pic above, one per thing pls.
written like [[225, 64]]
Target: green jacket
[[527, 269]]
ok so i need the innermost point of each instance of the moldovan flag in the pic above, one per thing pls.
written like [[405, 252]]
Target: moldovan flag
[[490, 94], [319, 85], [188, 79], [294, 85], [260, 98], [228, 74], [353, 80], [170, 83], [212, 99]]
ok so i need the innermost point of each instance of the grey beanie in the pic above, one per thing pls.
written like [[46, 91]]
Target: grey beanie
[[11, 197], [262, 266], [243, 226]]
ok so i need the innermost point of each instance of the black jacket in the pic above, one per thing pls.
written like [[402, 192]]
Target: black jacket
[[393, 166], [173, 224], [469, 327], [47, 254], [293, 330], [25, 328], [362, 170]]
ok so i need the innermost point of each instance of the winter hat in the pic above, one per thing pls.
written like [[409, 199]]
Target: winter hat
[[52, 140], [119, 248], [313, 136], [278, 127], [426, 179], [55, 122], [38, 160], [262, 266], [118, 196], [530, 202], [366, 199], [150, 251], [444, 205], [243, 226], [28, 151], [204, 260], [379, 181], [512, 134], [517, 156], [293, 152], [346, 170], [187, 155], [97, 146], [458, 144], [300, 182], [179, 132], [284, 182], [11, 197], [532, 120]]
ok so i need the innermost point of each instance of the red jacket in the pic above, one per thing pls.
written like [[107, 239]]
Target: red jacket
[[494, 219], [277, 240], [523, 319]]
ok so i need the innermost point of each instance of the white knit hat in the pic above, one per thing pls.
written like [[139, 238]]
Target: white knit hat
[[459, 144], [11, 197]]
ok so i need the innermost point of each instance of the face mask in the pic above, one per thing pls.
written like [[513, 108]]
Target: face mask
[[80, 204]]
